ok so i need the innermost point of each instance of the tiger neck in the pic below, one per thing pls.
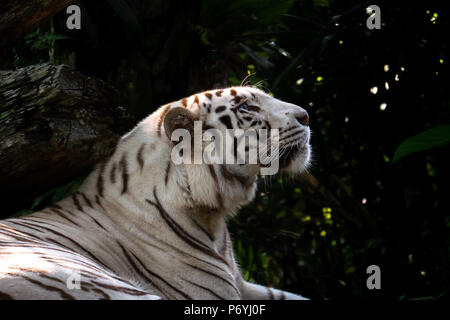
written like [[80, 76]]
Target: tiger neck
[[140, 187]]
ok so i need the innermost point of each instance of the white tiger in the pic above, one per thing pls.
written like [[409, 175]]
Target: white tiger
[[141, 227]]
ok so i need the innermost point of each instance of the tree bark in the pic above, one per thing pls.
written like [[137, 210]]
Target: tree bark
[[18, 17], [55, 124]]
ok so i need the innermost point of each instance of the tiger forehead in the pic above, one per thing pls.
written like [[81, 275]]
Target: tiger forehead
[[234, 95], [229, 97]]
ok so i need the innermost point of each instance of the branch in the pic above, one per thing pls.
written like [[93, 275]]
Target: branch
[[19, 17]]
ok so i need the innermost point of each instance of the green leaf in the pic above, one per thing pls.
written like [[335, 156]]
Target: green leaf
[[321, 3], [428, 139], [424, 299]]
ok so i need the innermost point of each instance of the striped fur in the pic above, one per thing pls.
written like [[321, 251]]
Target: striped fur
[[141, 227]]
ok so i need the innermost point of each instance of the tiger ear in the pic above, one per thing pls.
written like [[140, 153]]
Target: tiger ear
[[179, 118]]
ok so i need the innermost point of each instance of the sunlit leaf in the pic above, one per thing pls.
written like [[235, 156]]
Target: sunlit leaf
[[321, 3], [428, 139]]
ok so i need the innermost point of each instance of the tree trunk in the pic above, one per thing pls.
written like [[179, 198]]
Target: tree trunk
[[55, 124], [18, 17]]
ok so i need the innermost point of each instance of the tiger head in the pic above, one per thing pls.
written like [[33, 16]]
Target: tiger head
[[248, 108], [215, 185]]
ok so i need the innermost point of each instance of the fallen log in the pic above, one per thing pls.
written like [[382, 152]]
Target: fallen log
[[55, 124]]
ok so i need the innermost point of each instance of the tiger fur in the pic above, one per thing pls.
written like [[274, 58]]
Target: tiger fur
[[141, 227]]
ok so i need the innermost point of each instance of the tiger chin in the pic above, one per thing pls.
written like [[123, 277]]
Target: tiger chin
[[144, 225]]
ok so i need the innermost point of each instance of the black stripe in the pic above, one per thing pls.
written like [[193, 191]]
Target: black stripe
[[185, 190], [85, 252], [166, 178], [140, 273], [205, 288], [97, 223], [76, 202], [139, 157], [46, 276], [97, 200], [226, 120], [55, 259], [100, 185], [62, 215], [223, 250], [129, 291], [84, 273], [282, 139], [253, 108], [160, 278], [5, 296], [188, 186], [235, 148], [24, 225], [86, 199], [237, 99], [63, 294], [178, 230], [12, 234], [220, 109], [214, 275], [32, 246], [219, 198], [104, 294], [112, 174], [282, 130], [124, 168], [200, 227], [269, 291], [185, 253]]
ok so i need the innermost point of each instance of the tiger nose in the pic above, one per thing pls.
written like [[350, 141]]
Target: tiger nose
[[303, 118]]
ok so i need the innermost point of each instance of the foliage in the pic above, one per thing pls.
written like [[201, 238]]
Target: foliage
[[431, 138], [42, 40], [324, 58], [52, 196]]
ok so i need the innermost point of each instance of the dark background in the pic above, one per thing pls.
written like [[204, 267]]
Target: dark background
[[316, 235]]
